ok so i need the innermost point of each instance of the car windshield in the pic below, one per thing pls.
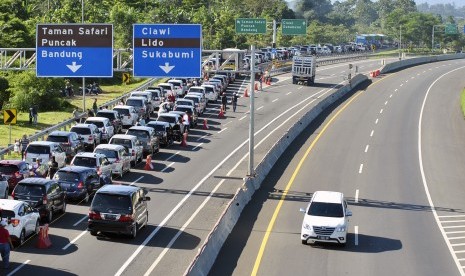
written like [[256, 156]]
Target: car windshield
[[58, 139], [143, 95], [199, 90], [122, 111], [184, 109], [103, 202], [107, 152], [325, 209], [141, 134], [181, 102], [108, 115], [81, 130], [168, 119], [37, 149], [166, 87], [32, 190], [124, 142], [89, 162], [209, 89], [66, 176], [195, 99], [133, 102], [97, 123], [157, 127], [7, 214], [8, 169]]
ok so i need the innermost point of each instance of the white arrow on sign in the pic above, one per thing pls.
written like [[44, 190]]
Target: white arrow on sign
[[166, 68], [74, 67]]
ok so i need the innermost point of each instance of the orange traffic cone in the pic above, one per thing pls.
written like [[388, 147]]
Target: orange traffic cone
[[44, 240], [184, 140], [221, 114], [245, 93], [148, 163], [205, 125]]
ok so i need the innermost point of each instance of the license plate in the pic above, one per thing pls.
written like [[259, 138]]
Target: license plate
[[322, 238], [110, 217]]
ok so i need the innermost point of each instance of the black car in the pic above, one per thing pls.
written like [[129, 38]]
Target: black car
[[163, 131], [114, 117], [120, 209], [70, 142], [44, 194], [78, 182]]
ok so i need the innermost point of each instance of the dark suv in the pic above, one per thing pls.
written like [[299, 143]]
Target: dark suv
[[44, 194], [118, 209], [14, 171], [78, 182], [114, 118], [70, 142]]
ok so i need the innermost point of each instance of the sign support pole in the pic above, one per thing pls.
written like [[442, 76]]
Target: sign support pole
[[84, 95], [10, 134], [251, 123]]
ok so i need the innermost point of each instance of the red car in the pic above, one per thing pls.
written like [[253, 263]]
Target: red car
[[14, 171]]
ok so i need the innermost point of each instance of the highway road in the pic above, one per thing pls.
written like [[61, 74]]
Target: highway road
[[189, 188], [396, 149]]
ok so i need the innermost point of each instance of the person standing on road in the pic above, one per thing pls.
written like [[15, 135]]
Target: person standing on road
[[185, 122], [224, 101], [5, 244], [23, 143], [34, 114], [94, 106], [52, 167], [234, 101]]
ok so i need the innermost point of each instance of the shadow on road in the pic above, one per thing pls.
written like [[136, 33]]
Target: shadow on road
[[29, 269], [366, 244]]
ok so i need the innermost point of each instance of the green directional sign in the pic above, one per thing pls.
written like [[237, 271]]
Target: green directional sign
[[250, 25], [451, 29], [294, 26]]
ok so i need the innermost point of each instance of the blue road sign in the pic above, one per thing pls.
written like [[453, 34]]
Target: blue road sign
[[167, 50], [74, 50]]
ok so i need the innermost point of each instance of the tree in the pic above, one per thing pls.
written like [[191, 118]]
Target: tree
[[313, 9], [4, 92]]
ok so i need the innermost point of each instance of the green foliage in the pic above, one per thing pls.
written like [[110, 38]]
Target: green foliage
[[4, 92]]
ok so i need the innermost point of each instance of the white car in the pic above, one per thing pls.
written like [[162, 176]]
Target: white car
[[44, 150], [179, 87], [131, 143], [22, 219], [211, 92], [129, 115], [118, 157], [104, 125], [326, 219], [89, 133], [199, 100]]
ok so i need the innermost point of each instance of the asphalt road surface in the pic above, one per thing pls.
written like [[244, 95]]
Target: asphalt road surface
[[396, 149], [189, 188]]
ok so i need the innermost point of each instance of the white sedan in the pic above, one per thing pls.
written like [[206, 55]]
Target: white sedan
[[23, 220]]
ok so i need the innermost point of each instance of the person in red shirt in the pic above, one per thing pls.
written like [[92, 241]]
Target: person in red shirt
[[5, 244]]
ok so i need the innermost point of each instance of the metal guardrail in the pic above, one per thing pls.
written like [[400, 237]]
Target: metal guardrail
[[68, 123]]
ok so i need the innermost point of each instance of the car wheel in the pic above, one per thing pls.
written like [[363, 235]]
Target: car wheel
[[63, 209], [134, 231], [304, 242], [87, 197], [22, 237], [343, 244], [93, 233], [50, 216], [37, 229], [121, 174]]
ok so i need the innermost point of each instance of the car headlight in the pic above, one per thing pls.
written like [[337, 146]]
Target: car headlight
[[341, 229], [308, 227]]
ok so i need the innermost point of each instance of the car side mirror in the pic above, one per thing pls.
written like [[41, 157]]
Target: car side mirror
[[302, 210], [348, 213]]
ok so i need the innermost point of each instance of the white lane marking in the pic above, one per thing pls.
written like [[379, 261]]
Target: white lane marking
[[197, 146], [424, 71], [18, 268], [401, 84], [372, 132], [79, 221], [184, 199], [247, 112], [360, 170], [135, 181], [386, 102], [288, 93], [227, 123], [418, 74], [74, 240], [390, 96], [300, 87], [172, 155], [356, 195], [168, 166], [381, 111], [198, 139], [452, 216], [457, 238], [412, 78], [452, 221], [356, 234], [274, 100], [454, 232], [458, 244], [366, 148], [455, 226], [223, 130], [376, 122], [260, 107], [395, 90], [423, 176], [406, 81], [242, 118]]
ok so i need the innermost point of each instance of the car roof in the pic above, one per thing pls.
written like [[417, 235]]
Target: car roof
[[199, 87], [136, 98], [327, 196], [109, 146], [43, 143], [167, 115], [118, 189], [9, 204], [158, 123], [88, 154], [185, 106], [98, 119], [124, 136], [11, 162], [124, 106], [107, 111], [78, 169], [35, 181], [60, 133], [85, 125], [141, 128], [141, 92]]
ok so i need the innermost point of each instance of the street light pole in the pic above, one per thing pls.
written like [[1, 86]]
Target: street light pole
[[251, 123], [83, 79], [400, 43]]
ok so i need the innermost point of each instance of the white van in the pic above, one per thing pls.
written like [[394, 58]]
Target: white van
[[167, 87], [148, 95], [198, 99], [210, 92], [179, 87], [43, 151]]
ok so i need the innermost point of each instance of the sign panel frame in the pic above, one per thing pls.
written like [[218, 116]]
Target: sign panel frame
[[251, 25], [167, 50], [74, 50], [294, 26]]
